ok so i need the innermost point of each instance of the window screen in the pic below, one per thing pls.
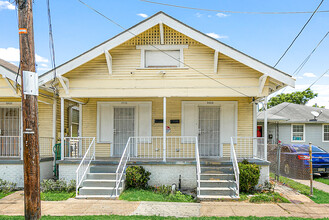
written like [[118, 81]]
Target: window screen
[[167, 58]]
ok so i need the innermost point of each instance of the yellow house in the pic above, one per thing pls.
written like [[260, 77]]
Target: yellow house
[[11, 147], [168, 97]]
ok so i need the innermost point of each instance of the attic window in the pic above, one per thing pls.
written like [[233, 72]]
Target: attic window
[[161, 59]]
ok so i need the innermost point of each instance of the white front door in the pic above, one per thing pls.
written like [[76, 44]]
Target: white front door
[[123, 128], [209, 131]]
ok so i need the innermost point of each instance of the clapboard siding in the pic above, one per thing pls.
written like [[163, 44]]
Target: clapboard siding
[[5, 90], [174, 111]]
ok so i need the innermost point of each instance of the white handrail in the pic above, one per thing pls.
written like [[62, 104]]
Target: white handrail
[[198, 167], [235, 167], [124, 159], [82, 164]]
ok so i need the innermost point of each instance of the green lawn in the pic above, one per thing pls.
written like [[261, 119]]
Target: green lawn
[[56, 196], [148, 195], [116, 217], [2, 194], [319, 196], [322, 180]]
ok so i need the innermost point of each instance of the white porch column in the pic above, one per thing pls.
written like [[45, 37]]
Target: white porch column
[[62, 129], [21, 133], [265, 128], [54, 121], [254, 128], [164, 128], [80, 129]]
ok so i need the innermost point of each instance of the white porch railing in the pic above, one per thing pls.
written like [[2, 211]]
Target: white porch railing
[[198, 166], [84, 164], [249, 147], [152, 147], [10, 146], [46, 146], [234, 161], [76, 147], [122, 167]]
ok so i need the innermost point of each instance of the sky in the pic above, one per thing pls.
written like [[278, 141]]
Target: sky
[[265, 37]]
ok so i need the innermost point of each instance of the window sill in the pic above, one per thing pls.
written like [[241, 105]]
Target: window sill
[[163, 68]]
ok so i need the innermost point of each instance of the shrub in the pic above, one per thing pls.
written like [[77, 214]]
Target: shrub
[[249, 176], [6, 186], [58, 186], [137, 177], [163, 189]]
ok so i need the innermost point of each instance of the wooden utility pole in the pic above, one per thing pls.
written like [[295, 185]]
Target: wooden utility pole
[[32, 202]]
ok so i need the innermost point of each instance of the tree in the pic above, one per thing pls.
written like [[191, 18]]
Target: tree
[[295, 97], [316, 106]]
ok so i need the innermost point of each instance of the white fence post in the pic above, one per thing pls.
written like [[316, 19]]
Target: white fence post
[[164, 128]]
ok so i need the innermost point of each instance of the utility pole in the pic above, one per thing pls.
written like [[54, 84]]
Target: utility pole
[[32, 204]]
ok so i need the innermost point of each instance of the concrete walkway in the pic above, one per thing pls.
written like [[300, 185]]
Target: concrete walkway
[[316, 184], [13, 205]]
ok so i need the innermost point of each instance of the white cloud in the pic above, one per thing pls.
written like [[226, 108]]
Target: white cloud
[[11, 54], [216, 36], [43, 65], [309, 75], [6, 5], [221, 15], [199, 15], [209, 16], [326, 75], [142, 15]]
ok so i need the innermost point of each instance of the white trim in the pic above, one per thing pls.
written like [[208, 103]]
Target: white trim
[[9, 74], [108, 61], [62, 128], [10, 104], [161, 33], [292, 134], [215, 61], [12, 87], [65, 84], [323, 133], [180, 27], [161, 47], [164, 129], [262, 81], [54, 121]]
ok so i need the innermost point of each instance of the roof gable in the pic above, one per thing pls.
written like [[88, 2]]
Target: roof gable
[[169, 21]]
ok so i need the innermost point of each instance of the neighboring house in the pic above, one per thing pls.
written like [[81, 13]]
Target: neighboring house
[[11, 157], [295, 124], [163, 95]]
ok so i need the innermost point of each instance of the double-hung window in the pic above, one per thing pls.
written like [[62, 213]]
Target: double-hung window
[[326, 132], [298, 133]]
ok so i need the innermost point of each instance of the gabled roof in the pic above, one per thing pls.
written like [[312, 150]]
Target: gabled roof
[[293, 113], [175, 24], [9, 70]]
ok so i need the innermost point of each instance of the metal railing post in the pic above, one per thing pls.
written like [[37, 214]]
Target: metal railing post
[[164, 128]]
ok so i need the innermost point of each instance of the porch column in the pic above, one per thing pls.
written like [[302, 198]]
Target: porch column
[[164, 128], [62, 129], [265, 128], [80, 129], [54, 121], [254, 128]]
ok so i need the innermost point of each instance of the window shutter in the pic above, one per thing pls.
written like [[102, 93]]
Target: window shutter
[[145, 120], [228, 122], [105, 123], [189, 120]]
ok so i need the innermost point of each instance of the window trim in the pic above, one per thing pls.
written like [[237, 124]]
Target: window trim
[[323, 133], [162, 47], [292, 133]]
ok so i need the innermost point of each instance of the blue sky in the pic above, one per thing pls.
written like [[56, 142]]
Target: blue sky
[[265, 37]]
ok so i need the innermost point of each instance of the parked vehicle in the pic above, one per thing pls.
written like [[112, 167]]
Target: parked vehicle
[[295, 160]]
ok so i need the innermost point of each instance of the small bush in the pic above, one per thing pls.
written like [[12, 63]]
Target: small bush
[[137, 177], [249, 176], [6, 186], [58, 186], [163, 189]]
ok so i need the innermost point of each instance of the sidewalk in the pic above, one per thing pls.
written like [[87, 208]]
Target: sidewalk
[[316, 184], [13, 205]]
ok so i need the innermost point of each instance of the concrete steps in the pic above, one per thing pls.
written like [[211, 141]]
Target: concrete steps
[[217, 182], [100, 182]]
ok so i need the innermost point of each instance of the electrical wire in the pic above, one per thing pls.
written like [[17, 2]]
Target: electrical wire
[[232, 12], [162, 50], [285, 52]]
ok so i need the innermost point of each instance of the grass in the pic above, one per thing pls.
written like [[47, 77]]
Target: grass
[[56, 196], [140, 217], [264, 198], [319, 196], [2, 194], [148, 195], [322, 180]]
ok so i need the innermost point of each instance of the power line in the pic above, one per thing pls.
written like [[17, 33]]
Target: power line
[[162, 50], [298, 34], [233, 12]]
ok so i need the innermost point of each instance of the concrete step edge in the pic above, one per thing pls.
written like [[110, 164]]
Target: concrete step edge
[[217, 188]]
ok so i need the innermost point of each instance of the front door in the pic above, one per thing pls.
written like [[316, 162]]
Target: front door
[[124, 127], [9, 131], [209, 131]]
